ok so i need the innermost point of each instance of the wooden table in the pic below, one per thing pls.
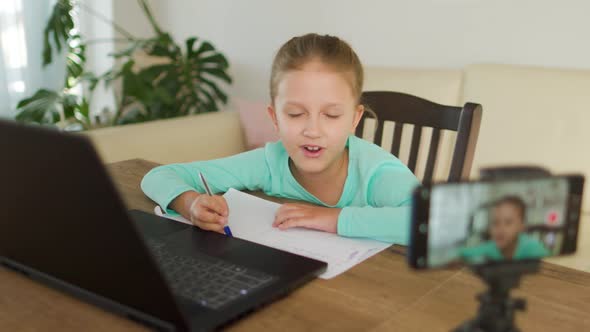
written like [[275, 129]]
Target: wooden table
[[381, 294]]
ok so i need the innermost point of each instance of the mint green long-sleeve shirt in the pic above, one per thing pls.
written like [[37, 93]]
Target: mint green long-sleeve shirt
[[375, 201], [527, 247]]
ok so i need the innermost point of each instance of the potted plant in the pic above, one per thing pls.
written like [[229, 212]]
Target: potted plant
[[186, 79]]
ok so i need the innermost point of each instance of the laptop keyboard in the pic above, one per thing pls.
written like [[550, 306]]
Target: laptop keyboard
[[211, 282]]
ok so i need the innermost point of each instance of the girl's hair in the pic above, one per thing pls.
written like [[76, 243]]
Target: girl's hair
[[331, 51], [514, 201]]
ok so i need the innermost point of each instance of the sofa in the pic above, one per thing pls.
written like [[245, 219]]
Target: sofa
[[531, 115]]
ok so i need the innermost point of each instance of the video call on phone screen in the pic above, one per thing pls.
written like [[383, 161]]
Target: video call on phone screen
[[478, 223]]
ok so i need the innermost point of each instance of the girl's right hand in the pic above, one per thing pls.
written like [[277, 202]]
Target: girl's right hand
[[209, 212]]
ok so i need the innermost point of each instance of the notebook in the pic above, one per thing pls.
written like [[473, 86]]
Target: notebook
[[251, 219]]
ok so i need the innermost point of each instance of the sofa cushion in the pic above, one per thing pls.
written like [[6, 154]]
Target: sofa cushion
[[532, 115], [443, 86], [257, 126], [195, 137]]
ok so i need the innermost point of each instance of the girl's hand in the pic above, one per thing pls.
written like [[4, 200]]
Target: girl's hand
[[204, 211], [209, 212], [308, 216]]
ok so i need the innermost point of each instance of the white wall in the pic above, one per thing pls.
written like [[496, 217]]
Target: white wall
[[413, 33]]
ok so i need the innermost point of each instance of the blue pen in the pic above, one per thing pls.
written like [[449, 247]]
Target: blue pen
[[226, 228]]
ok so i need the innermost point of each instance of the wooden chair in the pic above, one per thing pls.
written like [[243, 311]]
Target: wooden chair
[[402, 108]]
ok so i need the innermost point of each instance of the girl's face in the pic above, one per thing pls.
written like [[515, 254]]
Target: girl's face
[[314, 112], [507, 223]]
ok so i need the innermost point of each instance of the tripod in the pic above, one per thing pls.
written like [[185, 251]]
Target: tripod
[[496, 309]]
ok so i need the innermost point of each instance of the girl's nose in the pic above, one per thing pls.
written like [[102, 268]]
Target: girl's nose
[[312, 128]]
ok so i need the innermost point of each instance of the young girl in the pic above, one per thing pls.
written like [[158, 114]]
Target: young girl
[[508, 238], [356, 188]]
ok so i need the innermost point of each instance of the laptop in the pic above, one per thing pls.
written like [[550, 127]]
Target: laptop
[[62, 222]]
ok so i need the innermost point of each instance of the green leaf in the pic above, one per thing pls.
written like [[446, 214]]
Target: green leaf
[[45, 106], [127, 66], [40, 96], [219, 73], [189, 45], [59, 26], [39, 108], [161, 95], [134, 86], [151, 73], [81, 113], [217, 58], [47, 58], [164, 46], [69, 103], [220, 94], [205, 47], [208, 105]]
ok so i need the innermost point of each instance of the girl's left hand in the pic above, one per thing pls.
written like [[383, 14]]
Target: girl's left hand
[[308, 216]]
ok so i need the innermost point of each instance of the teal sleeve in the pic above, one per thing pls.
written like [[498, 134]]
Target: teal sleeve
[[244, 171], [387, 217], [387, 224], [530, 248]]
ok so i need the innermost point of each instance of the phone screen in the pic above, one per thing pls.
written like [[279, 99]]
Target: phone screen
[[483, 222]]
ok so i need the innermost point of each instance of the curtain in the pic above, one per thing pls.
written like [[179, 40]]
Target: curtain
[[97, 59], [21, 43]]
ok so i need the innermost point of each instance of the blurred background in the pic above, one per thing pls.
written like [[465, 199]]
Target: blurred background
[[406, 33]]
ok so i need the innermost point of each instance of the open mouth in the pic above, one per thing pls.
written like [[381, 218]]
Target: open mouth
[[312, 151]]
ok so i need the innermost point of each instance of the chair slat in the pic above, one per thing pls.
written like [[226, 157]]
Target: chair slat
[[432, 152], [405, 110], [397, 138], [379, 132], [416, 135], [358, 132]]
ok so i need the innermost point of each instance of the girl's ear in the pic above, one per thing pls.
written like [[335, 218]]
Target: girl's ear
[[273, 116], [358, 114]]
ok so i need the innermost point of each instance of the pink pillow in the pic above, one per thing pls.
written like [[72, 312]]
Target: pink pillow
[[258, 127]]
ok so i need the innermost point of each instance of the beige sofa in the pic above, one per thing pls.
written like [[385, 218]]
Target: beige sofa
[[531, 115]]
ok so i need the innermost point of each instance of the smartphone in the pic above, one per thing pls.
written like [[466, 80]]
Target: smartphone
[[494, 221]]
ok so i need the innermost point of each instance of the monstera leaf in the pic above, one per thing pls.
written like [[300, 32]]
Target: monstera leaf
[[59, 25], [186, 83], [49, 107], [75, 60], [43, 107], [191, 78]]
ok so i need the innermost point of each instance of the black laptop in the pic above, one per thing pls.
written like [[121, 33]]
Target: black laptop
[[62, 222]]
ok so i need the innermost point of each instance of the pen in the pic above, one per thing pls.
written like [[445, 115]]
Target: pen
[[225, 228]]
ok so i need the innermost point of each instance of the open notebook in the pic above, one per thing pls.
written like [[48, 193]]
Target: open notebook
[[251, 219]]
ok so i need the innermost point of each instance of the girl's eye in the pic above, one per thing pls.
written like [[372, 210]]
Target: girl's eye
[[294, 115], [332, 116]]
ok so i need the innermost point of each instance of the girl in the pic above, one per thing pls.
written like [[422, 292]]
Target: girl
[[508, 238], [356, 188]]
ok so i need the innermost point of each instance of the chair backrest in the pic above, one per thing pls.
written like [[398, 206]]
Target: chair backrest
[[402, 109]]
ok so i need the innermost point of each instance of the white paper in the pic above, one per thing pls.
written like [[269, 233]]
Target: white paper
[[251, 219]]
